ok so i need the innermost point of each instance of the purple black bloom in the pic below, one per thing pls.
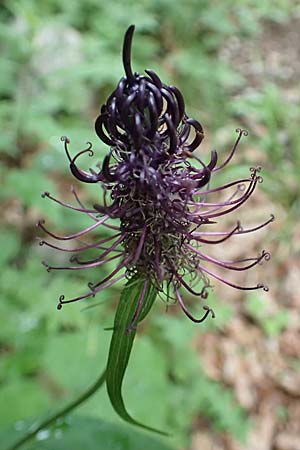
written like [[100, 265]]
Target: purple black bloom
[[160, 199]]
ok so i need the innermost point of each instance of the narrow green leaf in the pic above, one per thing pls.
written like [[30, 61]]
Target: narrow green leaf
[[122, 341]]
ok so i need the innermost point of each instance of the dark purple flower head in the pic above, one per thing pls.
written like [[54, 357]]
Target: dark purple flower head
[[166, 221]]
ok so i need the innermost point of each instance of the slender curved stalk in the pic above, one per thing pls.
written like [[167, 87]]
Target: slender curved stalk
[[67, 409]]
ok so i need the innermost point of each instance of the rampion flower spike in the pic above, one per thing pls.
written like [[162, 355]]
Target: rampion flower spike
[[166, 219]]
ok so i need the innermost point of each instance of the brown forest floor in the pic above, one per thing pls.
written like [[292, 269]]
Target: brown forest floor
[[264, 372]]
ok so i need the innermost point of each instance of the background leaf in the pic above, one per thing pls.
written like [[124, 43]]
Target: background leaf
[[78, 432]]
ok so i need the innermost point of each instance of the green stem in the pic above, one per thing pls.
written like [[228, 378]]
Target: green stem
[[85, 396]]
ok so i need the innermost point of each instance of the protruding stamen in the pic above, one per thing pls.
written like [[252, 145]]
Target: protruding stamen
[[188, 314], [229, 283], [66, 141], [237, 204], [74, 258], [78, 173], [224, 187], [48, 267], [40, 224], [235, 230], [241, 231], [250, 230], [227, 264], [120, 266], [95, 245], [81, 267], [60, 301], [87, 150], [67, 205], [88, 294], [241, 133]]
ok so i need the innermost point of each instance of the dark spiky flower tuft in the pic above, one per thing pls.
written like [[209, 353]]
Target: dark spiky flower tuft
[[165, 219]]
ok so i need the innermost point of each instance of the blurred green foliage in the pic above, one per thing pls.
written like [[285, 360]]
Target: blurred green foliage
[[272, 323], [60, 59], [78, 432]]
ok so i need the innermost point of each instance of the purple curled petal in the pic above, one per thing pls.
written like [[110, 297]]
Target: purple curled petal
[[126, 113], [213, 160], [199, 135], [81, 175], [172, 109], [205, 178], [153, 116], [180, 101], [197, 125], [155, 78], [172, 135], [100, 132], [127, 53], [107, 175], [120, 89], [137, 131], [184, 133], [85, 177], [158, 97]]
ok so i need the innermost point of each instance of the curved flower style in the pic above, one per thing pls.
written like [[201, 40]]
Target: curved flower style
[[159, 197]]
